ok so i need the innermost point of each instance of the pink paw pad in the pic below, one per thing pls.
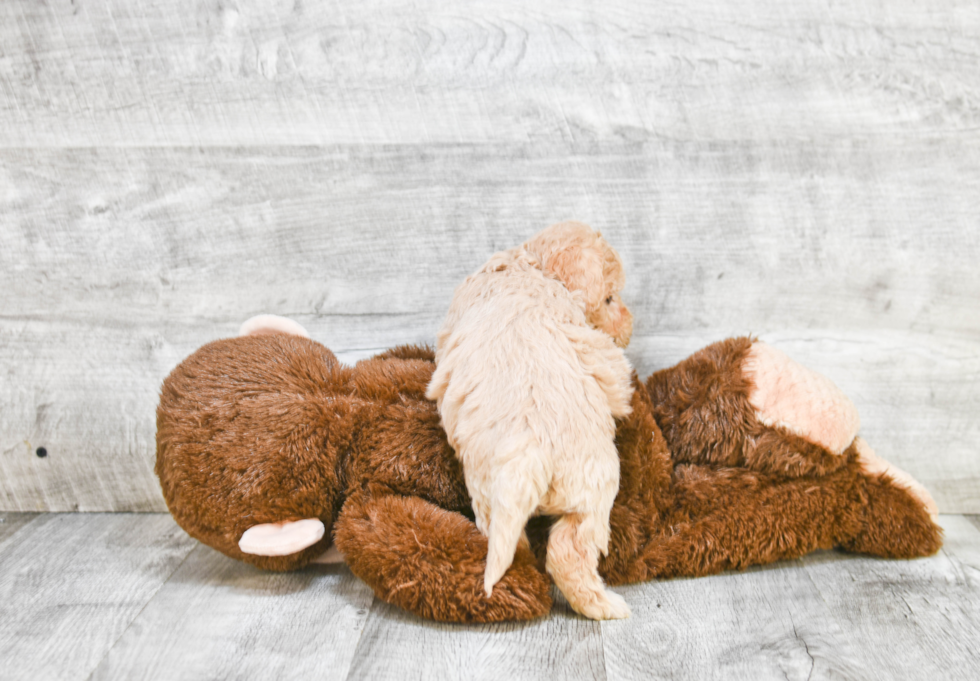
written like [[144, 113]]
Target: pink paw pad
[[872, 464], [787, 394]]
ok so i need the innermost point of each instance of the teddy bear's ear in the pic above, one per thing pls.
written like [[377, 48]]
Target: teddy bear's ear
[[265, 324], [281, 539], [573, 252]]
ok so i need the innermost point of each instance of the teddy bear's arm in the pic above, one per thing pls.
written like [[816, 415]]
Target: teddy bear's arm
[[740, 402], [421, 352], [431, 561]]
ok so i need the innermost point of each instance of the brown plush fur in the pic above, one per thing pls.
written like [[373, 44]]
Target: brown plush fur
[[702, 405], [268, 428]]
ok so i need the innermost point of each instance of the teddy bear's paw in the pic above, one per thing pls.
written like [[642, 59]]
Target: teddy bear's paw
[[281, 539], [601, 605], [431, 562], [872, 464], [786, 394], [522, 593], [265, 324]]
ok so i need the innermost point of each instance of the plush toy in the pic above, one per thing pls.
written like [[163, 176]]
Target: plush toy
[[268, 449]]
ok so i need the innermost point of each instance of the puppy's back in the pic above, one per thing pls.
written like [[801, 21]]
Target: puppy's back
[[509, 363]]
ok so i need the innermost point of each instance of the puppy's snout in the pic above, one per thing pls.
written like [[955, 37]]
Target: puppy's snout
[[624, 328]]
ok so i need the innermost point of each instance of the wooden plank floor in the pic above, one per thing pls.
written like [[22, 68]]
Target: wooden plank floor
[[130, 596]]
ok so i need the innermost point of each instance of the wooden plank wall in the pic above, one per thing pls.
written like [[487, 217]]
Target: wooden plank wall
[[808, 172]]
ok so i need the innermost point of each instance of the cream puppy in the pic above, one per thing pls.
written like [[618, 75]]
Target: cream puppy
[[530, 375]]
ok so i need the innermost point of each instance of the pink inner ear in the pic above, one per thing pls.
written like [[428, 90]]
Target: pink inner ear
[[281, 539], [265, 324], [789, 395]]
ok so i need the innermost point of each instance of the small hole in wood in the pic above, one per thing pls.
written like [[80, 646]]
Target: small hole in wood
[[41, 452]]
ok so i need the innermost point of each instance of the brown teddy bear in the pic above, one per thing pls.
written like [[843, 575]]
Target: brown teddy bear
[[737, 456]]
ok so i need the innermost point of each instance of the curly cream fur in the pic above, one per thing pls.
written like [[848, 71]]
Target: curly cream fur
[[530, 375]]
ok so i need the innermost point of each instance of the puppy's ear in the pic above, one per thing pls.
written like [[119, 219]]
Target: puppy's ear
[[574, 252], [580, 268]]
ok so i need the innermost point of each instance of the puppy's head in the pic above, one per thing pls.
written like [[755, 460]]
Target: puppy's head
[[582, 260]]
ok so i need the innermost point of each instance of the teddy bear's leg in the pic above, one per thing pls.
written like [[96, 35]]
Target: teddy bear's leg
[[431, 562], [731, 519], [786, 394], [887, 516], [573, 560], [739, 402], [281, 539], [874, 465]]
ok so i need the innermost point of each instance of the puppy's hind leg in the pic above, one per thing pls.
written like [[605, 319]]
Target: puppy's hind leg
[[573, 560], [516, 492]]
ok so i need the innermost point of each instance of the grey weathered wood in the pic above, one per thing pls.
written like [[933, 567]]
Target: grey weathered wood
[[921, 615], [130, 596], [119, 263], [218, 618], [186, 73], [10, 523], [785, 235], [71, 584], [962, 544], [829, 615], [761, 624], [396, 645]]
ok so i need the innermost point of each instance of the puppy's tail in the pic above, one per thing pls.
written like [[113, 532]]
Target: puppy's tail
[[520, 481], [438, 383]]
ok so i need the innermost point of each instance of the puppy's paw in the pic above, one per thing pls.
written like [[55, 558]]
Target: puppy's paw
[[603, 605]]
